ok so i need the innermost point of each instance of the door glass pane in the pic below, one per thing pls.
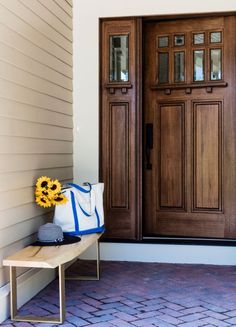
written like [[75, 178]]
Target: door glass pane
[[179, 67], [163, 67], [198, 38], [179, 40], [119, 58], [163, 41], [216, 66], [198, 70], [215, 37]]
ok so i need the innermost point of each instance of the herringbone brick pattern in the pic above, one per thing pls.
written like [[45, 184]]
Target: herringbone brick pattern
[[143, 294]]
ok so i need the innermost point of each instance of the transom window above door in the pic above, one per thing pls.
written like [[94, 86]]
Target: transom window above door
[[189, 58]]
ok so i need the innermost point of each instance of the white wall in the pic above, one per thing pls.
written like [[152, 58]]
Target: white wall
[[86, 102]]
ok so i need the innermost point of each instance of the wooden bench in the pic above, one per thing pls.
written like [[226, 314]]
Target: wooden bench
[[49, 257]]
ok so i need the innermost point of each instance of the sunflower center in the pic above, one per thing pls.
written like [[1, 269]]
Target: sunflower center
[[45, 192], [43, 200], [58, 199], [44, 184], [54, 187]]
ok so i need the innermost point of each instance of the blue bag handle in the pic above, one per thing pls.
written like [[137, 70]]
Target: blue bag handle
[[78, 187], [98, 229]]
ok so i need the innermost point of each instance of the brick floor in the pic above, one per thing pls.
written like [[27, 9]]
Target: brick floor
[[142, 294]]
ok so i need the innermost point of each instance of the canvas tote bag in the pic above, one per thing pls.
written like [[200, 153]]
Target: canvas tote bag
[[83, 212]]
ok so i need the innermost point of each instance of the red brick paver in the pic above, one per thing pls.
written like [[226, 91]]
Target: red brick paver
[[142, 294]]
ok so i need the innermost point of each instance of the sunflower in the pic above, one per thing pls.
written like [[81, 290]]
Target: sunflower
[[43, 182], [59, 199], [44, 192], [43, 201], [48, 192], [55, 186]]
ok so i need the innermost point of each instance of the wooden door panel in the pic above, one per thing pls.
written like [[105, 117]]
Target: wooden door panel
[[200, 226], [192, 183], [118, 127], [207, 156], [171, 156], [119, 160]]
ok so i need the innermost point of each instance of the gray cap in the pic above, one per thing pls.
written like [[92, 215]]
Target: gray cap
[[50, 233]]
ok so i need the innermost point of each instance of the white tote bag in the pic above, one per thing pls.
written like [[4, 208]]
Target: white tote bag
[[83, 212]]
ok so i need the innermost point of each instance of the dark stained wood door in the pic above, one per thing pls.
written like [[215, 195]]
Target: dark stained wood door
[[190, 128], [118, 136]]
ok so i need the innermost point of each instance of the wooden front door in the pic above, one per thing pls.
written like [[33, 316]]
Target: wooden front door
[[190, 128]]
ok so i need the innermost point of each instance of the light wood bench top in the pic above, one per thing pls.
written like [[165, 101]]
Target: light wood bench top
[[50, 256]]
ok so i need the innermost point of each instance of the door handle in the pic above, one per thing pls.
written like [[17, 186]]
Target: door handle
[[149, 145]]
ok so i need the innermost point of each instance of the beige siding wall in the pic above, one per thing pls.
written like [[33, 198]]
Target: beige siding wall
[[35, 113]]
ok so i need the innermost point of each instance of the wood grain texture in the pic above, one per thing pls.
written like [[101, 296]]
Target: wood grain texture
[[171, 156], [50, 256], [119, 164], [118, 136], [208, 156], [209, 137]]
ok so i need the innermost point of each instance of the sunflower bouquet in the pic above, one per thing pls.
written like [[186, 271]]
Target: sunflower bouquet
[[48, 192]]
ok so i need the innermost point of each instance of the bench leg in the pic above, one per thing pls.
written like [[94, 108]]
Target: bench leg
[[97, 277], [13, 294], [46, 319], [61, 271]]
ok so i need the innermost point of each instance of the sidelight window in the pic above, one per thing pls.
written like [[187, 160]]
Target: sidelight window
[[119, 58]]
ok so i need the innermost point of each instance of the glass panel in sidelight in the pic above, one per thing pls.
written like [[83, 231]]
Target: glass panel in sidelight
[[215, 37], [198, 38], [179, 67], [198, 64], [119, 58], [216, 64], [163, 67], [163, 41]]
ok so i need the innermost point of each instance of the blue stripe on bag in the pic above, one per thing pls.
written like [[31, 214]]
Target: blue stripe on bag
[[84, 212], [76, 221], [78, 187], [98, 229], [88, 215], [98, 219], [92, 230]]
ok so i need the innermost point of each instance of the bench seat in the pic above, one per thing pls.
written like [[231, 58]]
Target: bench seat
[[49, 257]]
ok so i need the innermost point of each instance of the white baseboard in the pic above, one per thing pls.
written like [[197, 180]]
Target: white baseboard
[[29, 284], [165, 253]]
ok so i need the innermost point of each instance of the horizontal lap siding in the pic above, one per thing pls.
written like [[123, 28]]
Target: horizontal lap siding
[[35, 113]]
